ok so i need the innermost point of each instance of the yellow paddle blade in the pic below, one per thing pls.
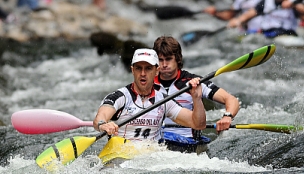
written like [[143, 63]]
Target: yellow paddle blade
[[118, 147], [64, 152], [269, 127], [254, 58]]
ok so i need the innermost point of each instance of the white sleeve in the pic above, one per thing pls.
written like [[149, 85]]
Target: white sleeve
[[172, 109], [205, 90], [237, 5]]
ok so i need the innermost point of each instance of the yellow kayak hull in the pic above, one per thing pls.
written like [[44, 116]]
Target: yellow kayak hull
[[118, 147]]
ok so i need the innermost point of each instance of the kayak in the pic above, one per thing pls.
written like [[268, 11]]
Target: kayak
[[176, 142], [118, 147], [121, 148]]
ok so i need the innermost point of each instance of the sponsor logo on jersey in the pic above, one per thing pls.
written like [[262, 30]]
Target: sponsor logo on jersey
[[130, 110], [108, 101]]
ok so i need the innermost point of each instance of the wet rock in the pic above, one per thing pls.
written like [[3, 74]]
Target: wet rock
[[110, 44], [67, 20], [37, 50], [106, 43], [123, 26], [284, 152], [277, 150], [128, 50], [71, 22]]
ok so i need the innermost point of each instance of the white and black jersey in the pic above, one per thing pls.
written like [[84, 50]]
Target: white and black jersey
[[127, 102], [276, 20], [185, 99], [253, 25]]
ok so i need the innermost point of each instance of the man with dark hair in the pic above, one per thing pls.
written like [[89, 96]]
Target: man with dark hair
[[172, 78]]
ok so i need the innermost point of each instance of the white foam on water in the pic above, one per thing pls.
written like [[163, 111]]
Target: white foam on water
[[165, 160], [289, 41], [19, 165], [61, 79], [161, 160]]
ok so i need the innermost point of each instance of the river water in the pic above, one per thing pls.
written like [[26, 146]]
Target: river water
[[72, 78]]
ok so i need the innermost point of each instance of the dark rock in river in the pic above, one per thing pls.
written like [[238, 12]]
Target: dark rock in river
[[284, 152], [110, 44], [279, 151], [36, 50], [128, 50], [106, 43]]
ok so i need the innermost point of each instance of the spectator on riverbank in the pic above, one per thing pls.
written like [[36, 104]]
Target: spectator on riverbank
[[297, 5], [278, 18], [32, 4], [100, 4], [237, 8]]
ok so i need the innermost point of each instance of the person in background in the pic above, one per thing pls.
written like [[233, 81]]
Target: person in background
[[100, 4], [172, 78], [139, 95], [277, 18], [298, 6], [238, 7], [32, 4]]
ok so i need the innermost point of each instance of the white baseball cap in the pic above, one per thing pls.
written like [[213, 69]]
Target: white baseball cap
[[145, 54]]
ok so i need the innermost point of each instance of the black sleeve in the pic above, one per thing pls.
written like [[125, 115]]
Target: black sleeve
[[213, 88], [298, 1], [111, 99], [260, 8]]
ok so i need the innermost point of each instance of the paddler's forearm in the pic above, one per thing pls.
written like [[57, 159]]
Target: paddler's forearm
[[232, 105], [199, 114], [104, 113]]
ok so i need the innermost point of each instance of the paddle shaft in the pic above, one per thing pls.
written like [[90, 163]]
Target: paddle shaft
[[192, 37], [173, 12], [180, 126], [219, 30], [266, 127]]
